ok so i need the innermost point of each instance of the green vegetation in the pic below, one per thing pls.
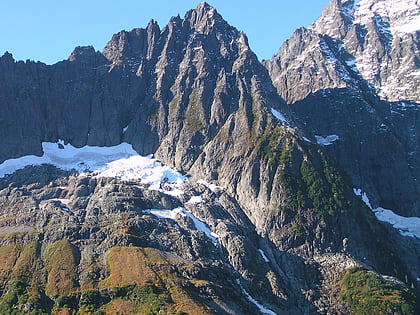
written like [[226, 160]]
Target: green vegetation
[[148, 298], [152, 285], [318, 187], [270, 149], [144, 299], [8, 256], [297, 228], [193, 123], [367, 293], [174, 108], [24, 291], [141, 281], [325, 188], [309, 180]]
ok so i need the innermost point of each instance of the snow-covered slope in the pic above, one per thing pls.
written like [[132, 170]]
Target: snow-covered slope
[[382, 36], [398, 16], [119, 161], [407, 226]]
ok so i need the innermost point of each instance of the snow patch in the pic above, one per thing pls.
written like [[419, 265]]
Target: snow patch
[[63, 203], [166, 214], [359, 192], [278, 115], [328, 140], [351, 63], [195, 199], [407, 226], [263, 255], [403, 15], [148, 171], [414, 73], [201, 226], [119, 161], [262, 309], [172, 214], [212, 187]]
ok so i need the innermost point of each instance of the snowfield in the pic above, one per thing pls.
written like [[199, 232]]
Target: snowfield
[[407, 226], [328, 140], [278, 115], [120, 161], [264, 256]]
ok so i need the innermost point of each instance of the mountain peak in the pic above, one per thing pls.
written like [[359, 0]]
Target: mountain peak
[[205, 9], [204, 6], [336, 18], [7, 56], [82, 52], [204, 18]]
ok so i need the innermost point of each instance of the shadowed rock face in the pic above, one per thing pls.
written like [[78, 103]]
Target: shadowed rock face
[[195, 95]]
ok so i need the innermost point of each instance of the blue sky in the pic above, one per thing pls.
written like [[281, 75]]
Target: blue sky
[[48, 30]]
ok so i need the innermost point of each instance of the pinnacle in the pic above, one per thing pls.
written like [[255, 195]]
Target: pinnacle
[[204, 5], [204, 8], [204, 17]]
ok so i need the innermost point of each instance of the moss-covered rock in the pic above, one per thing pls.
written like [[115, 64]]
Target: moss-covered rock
[[367, 293]]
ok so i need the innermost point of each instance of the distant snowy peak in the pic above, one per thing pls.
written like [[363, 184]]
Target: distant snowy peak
[[336, 19], [401, 16], [387, 57], [382, 36]]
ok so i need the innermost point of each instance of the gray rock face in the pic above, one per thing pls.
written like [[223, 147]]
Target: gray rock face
[[309, 62]]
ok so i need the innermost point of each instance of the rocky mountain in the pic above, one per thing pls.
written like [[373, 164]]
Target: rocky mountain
[[265, 218], [353, 74]]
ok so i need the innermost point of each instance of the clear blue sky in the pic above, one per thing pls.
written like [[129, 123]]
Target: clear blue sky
[[48, 30]]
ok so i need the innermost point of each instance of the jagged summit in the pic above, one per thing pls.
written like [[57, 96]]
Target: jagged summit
[[84, 53], [133, 49], [382, 36], [7, 56], [205, 8], [336, 18], [205, 19]]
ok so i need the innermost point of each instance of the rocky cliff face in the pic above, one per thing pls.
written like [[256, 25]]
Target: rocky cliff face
[[353, 74], [195, 95]]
